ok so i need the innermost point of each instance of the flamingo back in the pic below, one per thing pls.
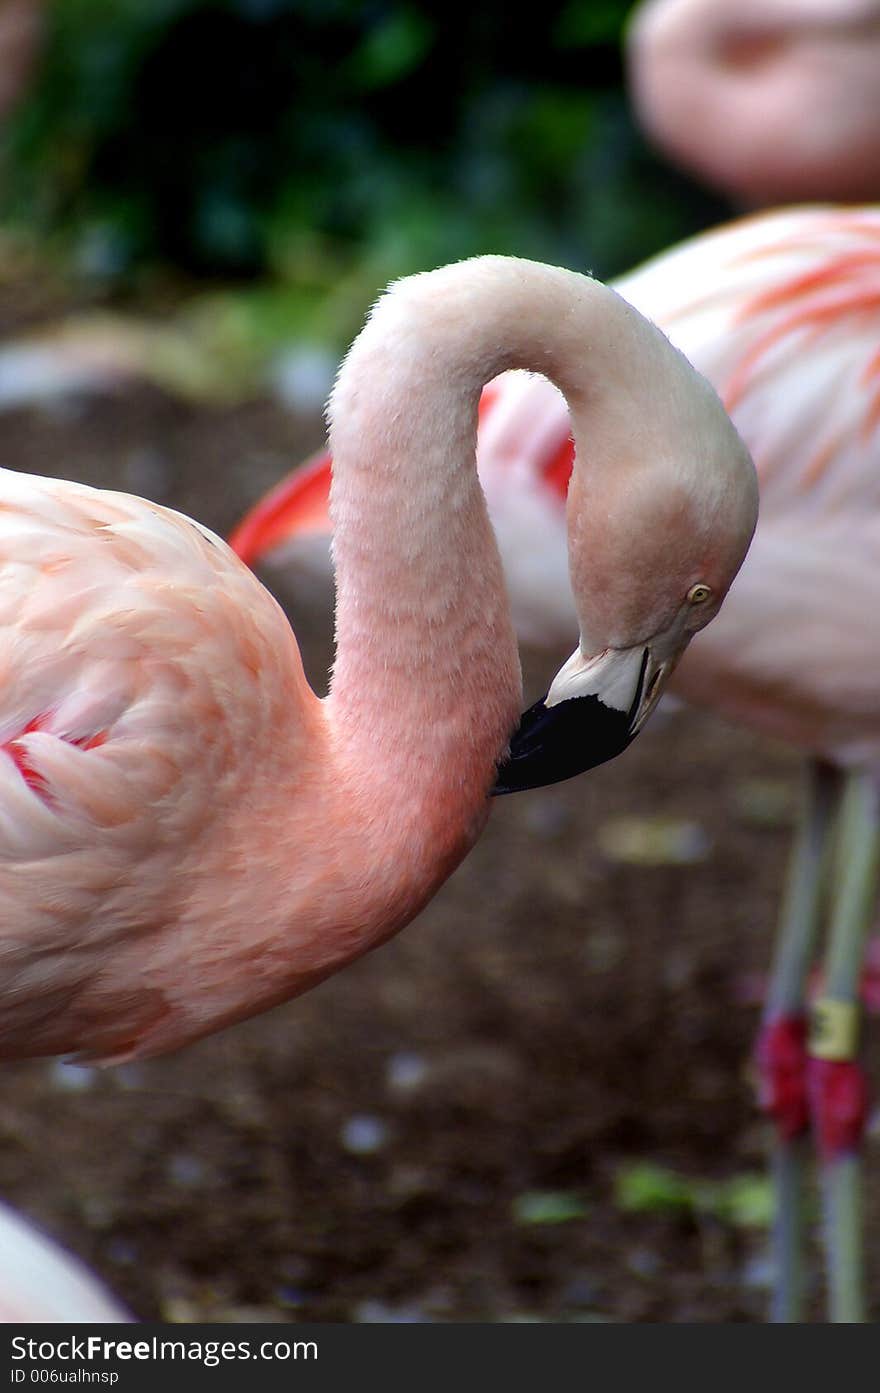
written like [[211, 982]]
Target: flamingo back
[[145, 679]]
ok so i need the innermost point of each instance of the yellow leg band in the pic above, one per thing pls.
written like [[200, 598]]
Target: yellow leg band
[[834, 1029]]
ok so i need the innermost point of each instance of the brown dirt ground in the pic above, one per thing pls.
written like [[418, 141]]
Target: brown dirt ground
[[554, 1015]]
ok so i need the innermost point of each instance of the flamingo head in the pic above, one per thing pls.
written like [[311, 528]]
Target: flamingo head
[[653, 551]]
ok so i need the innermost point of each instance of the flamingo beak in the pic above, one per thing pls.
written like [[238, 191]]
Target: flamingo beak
[[595, 707]]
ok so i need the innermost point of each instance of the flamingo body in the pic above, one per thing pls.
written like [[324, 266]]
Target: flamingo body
[[122, 627]]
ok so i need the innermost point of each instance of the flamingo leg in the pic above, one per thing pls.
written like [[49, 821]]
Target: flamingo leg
[[836, 1081], [781, 1052]]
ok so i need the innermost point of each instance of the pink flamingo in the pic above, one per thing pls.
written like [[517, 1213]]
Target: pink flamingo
[[780, 311], [42, 1283], [188, 834], [770, 101]]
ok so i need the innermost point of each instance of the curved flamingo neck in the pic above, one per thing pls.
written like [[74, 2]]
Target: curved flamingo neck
[[426, 685]]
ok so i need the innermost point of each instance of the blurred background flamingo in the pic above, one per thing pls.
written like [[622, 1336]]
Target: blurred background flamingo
[[769, 101], [780, 311]]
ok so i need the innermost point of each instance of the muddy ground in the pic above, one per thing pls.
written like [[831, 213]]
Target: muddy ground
[[559, 1014]]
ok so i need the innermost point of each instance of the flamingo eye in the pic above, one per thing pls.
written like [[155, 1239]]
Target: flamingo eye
[[699, 594]]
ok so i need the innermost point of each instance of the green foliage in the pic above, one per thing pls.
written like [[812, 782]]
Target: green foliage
[[315, 140], [743, 1201], [584, 23]]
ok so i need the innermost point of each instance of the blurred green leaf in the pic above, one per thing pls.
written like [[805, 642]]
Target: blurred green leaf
[[746, 1201], [644, 1186], [584, 23], [392, 49], [743, 1201], [548, 1207]]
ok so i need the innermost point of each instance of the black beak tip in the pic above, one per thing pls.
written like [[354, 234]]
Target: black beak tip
[[553, 743]]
